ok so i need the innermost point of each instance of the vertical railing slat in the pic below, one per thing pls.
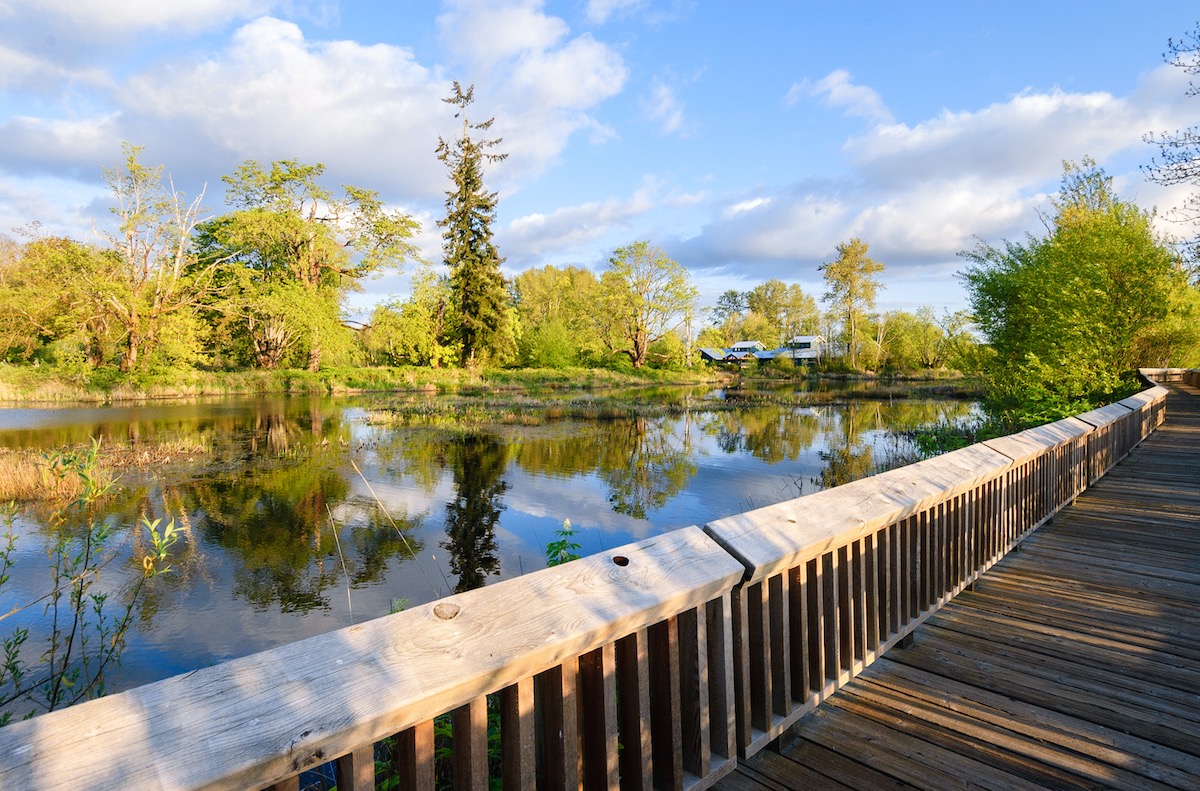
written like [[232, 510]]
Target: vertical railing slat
[[518, 747], [664, 705], [412, 756], [356, 771], [693, 702], [722, 717], [598, 718], [470, 729], [559, 726], [633, 683]]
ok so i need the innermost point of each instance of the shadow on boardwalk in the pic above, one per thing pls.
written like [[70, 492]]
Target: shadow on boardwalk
[[1075, 662]]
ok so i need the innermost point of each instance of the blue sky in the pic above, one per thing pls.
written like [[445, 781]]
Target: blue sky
[[746, 139]]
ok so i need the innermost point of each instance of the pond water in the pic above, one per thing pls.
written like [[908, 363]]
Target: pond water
[[303, 515]]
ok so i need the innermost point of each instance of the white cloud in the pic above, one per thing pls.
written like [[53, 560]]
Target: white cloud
[[598, 11], [571, 227], [128, 17], [919, 194], [838, 90], [538, 82], [663, 107], [745, 206], [371, 114]]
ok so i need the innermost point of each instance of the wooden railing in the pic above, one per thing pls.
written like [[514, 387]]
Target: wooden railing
[[654, 665]]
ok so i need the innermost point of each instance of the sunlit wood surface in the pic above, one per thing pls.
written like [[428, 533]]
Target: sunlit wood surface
[[1074, 663]]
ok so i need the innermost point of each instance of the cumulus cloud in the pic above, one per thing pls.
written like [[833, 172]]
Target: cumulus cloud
[[539, 82], [370, 113], [571, 227], [920, 193], [837, 89]]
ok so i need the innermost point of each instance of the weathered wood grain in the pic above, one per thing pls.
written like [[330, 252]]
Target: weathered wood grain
[[1071, 664], [256, 720]]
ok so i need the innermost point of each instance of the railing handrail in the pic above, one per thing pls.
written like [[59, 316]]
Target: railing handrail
[[260, 719]]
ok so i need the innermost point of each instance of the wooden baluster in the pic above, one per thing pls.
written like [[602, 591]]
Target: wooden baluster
[[693, 679], [761, 699], [741, 664], [291, 784], [814, 592], [831, 628], [598, 718], [518, 736], [412, 757], [667, 745], [859, 586], [470, 724], [633, 683], [722, 718], [798, 593], [560, 726], [356, 771], [780, 640], [871, 559], [844, 572]]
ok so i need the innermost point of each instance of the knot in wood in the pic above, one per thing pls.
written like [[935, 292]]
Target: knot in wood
[[446, 610]]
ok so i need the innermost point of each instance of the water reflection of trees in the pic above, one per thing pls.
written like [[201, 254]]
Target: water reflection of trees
[[770, 433], [478, 462], [850, 453], [645, 463]]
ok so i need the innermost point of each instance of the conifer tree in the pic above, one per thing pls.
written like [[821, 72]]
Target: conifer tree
[[476, 283]]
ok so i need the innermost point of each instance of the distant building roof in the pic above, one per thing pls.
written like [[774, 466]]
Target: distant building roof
[[745, 346]]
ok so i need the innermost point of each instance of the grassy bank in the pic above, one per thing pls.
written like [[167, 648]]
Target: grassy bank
[[23, 384]]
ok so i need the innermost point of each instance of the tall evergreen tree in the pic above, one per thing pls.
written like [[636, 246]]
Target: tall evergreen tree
[[476, 283]]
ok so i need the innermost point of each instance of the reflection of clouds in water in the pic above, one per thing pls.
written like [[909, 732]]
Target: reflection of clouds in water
[[584, 499], [399, 497], [574, 471]]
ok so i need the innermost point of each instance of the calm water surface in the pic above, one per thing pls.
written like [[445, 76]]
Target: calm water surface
[[303, 515]]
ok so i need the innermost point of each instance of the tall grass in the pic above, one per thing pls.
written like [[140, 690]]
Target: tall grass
[[27, 384]]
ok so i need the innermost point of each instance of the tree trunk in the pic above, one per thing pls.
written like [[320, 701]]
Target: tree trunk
[[129, 358]]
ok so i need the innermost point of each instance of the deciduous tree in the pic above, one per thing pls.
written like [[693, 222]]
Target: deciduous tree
[[291, 249], [1178, 161], [850, 288], [1073, 314], [157, 273], [645, 295]]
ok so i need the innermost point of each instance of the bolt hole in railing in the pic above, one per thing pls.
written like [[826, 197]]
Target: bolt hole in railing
[[653, 666]]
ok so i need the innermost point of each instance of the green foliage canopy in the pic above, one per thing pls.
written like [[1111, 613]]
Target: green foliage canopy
[[1073, 314]]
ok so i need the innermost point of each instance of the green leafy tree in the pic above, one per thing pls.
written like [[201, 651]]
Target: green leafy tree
[[850, 288], [556, 309], [291, 249], [51, 303], [644, 295], [485, 321], [1071, 315], [413, 332], [157, 273], [1178, 161]]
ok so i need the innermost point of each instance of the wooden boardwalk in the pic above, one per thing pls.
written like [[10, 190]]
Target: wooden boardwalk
[[1075, 662]]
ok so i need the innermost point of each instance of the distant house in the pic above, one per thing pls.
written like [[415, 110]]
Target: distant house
[[802, 350]]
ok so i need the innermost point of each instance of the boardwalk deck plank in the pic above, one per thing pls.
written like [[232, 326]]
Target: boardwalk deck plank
[[1075, 662]]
